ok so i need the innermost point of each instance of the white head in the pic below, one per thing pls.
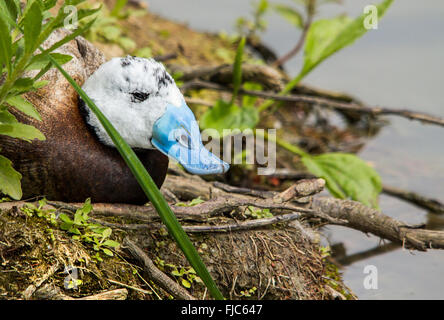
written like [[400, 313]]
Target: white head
[[133, 93], [143, 103]]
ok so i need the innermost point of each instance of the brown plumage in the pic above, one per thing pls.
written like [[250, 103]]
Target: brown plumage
[[71, 164]]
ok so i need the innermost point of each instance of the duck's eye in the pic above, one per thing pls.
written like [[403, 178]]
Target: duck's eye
[[139, 96], [184, 140]]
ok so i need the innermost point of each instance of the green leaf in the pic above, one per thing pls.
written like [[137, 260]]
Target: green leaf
[[33, 25], [24, 106], [111, 243], [111, 32], [6, 117], [291, 15], [74, 34], [192, 203], [65, 218], [5, 44], [40, 61], [9, 179], [9, 6], [229, 116], [23, 84], [126, 43], [347, 176], [21, 131], [186, 283], [106, 233], [237, 68], [116, 11], [328, 36], [107, 252]]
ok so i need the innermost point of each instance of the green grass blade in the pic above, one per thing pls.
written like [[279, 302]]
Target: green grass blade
[[150, 189], [237, 69]]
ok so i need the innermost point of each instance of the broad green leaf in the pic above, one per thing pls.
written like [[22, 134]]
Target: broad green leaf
[[40, 61], [33, 26], [229, 116], [23, 84], [24, 106], [127, 44], [106, 233], [18, 47], [111, 33], [328, 36], [262, 6], [6, 117], [186, 283], [9, 179], [107, 252], [291, 15], [111, 243], [5, 44], [347, 176], [21, 131], [9, 7], [237, 68], [117, 10]]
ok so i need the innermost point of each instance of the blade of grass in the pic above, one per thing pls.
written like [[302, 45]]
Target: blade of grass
[[150, 189], [237, 69]]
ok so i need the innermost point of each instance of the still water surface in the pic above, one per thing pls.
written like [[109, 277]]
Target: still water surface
[[401, 64]]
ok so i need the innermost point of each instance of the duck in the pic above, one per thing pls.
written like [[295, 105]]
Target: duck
[[78, 159]]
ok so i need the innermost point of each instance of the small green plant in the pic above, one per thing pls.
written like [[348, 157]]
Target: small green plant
[[346, 175], [248, 293], [22, 32], [48, 214], [186, 276], [107, 30], [257, 213], [90, 233], [228, 115], [249, 28], [192, 203]]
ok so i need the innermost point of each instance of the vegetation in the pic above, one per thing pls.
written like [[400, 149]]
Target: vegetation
[[23, 31], [346, 175], [21, 55]]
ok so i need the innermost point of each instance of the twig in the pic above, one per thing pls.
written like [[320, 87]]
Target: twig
[[367, 220], [323, 102], [310, 13], [130, 287], [51, 292], [165, 57], [420, 201], [155, 274], [241, 226], [268, 77], [29, 291]]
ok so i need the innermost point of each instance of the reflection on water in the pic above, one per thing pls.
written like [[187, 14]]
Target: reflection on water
[[398, 65]]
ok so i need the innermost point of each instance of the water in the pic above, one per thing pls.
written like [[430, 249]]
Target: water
[[398, 65]]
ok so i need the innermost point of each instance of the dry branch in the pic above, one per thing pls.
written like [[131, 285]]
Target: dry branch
[[414, 198], [268, 77], [51, 292], [155, 274], [322, 102], [367, 220]]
